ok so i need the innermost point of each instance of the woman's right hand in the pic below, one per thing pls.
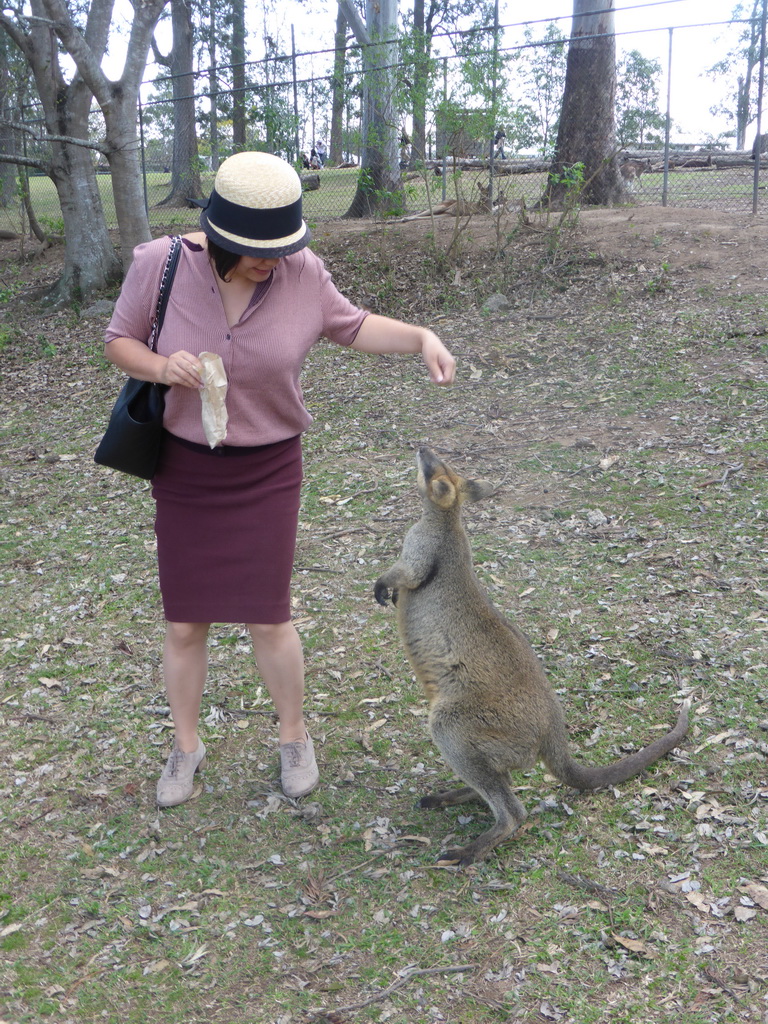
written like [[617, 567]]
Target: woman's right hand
[[183, 368]]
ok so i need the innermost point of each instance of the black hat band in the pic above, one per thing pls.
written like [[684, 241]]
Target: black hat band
[[248, 222]]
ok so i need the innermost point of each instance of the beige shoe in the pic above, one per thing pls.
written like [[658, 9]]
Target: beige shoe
[[298, 768], [177, 782]]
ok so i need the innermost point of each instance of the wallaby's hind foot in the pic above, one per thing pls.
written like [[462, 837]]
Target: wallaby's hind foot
[[450, 797], [510, 815], [480, 848], [507, 809]]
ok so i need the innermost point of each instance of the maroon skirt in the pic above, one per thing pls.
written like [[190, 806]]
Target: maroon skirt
[[226, 525]]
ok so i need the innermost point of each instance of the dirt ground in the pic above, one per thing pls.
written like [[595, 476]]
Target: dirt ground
[[722, 250], [712, 248], [612, 383]]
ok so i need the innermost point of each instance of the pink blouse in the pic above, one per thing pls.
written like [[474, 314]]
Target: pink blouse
[[262, 354]]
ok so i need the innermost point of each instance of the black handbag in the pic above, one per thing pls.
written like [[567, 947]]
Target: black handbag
[[134, 434]]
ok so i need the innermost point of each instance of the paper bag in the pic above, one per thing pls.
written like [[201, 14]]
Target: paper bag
[[214, 398]]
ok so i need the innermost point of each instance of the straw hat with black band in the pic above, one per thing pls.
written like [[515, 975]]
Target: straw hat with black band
[[255, 207]]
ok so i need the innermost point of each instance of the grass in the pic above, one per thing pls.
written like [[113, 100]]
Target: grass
[[244, 908]]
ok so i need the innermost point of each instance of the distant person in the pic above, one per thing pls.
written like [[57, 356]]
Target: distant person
[[322, 152], [405, 144], [498, 144]]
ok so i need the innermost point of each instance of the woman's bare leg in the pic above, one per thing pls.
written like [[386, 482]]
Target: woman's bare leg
[[185, 668], [281, 663], [280, 660]]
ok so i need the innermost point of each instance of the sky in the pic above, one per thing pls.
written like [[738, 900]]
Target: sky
[[701, 35]]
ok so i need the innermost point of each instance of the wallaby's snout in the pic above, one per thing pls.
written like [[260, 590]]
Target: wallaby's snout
[[443, 487], [426, 460], [427, 466]]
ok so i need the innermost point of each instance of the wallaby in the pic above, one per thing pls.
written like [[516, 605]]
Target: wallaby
[[458, 207], [491, 707], [632, 169]]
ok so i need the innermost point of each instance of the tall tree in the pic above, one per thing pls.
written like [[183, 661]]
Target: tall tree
[[541, 72], [638, 118], [587, 134], [90, 261], [421, 45], [335, 144], [185, 165], [238, 76], [118, 101], [429, 17], [379, 179], [9, 114], [215, 39], [213, 86], [740, 64], [276, 117]]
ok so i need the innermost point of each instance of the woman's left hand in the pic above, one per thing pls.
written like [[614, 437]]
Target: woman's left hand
[[383, 335], [438, 360]]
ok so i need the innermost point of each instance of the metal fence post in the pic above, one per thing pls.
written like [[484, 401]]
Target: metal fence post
[[668, 124], [761, 82], [445, 147], [494, 85], [143, 157], [295, 93]]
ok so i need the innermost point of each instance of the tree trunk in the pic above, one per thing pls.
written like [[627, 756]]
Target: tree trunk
[[34, 223], [335, 145], [587, 132], [744, 83], [420, 87], [185, 174], [8, 109], [213, 87], [90, 261], [742, 112], [378, 186], [127, 185], [238, 75], [118, 102]]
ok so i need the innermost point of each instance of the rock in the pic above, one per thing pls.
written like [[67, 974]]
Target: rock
[[102, 307], [496, 303], [596, 518]]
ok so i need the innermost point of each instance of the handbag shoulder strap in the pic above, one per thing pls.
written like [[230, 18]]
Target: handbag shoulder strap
[[165, 289]]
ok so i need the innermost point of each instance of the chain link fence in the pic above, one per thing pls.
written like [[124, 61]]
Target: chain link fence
[[488, 127]]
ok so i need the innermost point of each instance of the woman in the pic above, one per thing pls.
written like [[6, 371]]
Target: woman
[[247, 288]]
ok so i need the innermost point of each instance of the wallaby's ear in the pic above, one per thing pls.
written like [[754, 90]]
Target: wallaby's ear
[[442, 492], [476, 490]]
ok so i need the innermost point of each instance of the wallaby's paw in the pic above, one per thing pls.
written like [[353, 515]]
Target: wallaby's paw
[[433, 800], [449, 797], [381, 592], [462, 857]]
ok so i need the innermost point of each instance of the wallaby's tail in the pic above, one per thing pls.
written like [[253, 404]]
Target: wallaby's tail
[[584, 777]]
